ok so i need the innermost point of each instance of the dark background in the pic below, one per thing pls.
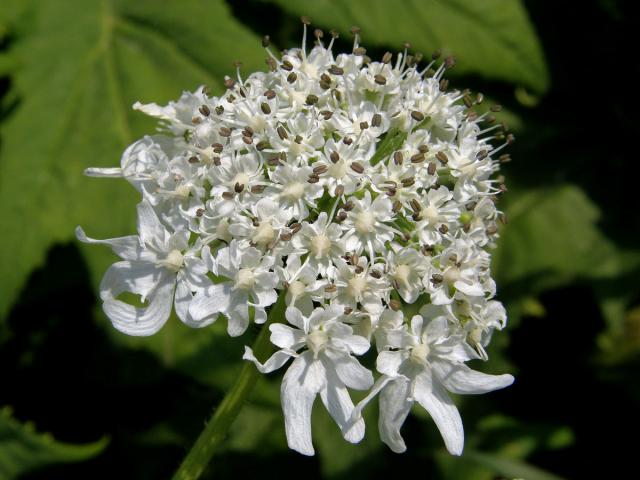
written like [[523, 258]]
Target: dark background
[[574, 405]]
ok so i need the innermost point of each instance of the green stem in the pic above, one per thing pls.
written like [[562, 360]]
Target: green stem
[[216, 429]]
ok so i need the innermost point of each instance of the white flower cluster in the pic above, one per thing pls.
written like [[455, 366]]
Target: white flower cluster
[[353, 188]]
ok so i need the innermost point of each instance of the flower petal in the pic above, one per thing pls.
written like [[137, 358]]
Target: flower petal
[[211, 301], [435, 400], [338, 403], [274, 362], [144, 279], [183, 299], [349, 370], [394, 409], [458, 378], [302, 382], [127, 248], [284, 336]]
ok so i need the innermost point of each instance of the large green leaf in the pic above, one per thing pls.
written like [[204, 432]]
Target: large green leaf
[[492, 38], [22, 449], [552, 238], [83, 63]]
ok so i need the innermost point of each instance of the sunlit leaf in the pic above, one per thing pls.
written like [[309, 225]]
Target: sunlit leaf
[[492, 38], [83, 63]]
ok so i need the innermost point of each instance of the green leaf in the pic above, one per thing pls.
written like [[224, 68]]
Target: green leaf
[[22, 449], [492, 38], [552, 238], [83, 63]]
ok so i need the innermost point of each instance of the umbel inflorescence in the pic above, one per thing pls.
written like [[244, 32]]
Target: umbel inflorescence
[[354, 190]]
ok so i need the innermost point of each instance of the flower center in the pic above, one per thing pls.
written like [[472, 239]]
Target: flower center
[[310, 69], [452, 275], [174, 260], [297, 288], [320, 245], [317, 340], [245, 279], [241, 178], [257, 123], [420, 352], [430, 214], [357, 286], [338, 170], [293, 191], [364, 222], [402, 274], [182, 191], [263, 234]]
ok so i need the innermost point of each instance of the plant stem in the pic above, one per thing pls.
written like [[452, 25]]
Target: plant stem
[[216, 429]]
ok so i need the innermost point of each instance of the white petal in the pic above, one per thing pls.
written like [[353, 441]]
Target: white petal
[[149, 226], [134, 320], [238, 314], [473, 289], [388, 362], [260, 315], [211, 301], [435, 400], [338, 403], [284, 336], [103, 172], [264, 298], [154, 110], [349, 370], [127, 248], [274, 362], [357, 344], [394, 409], [458, 378], [298, 392], [140, 278], [294, 317], [183, 299]]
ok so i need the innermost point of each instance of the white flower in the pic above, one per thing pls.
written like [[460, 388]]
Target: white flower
[[425, 363], [367, 226], [321, 240], [157, 265], [459, 272], [349, 188], [246, 281], [325, 367]]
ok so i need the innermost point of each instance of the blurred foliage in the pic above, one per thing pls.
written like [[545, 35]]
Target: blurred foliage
[[567, 266], [22, 449]]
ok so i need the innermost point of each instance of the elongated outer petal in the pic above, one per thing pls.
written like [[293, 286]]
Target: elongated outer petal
[[157, 284], [103, 172], [127, 248], [211, 301], [183, 299], [274, 362], [338, 403], [395, 406], [304, 379], [458, 378], [434, 399], [349, 370]]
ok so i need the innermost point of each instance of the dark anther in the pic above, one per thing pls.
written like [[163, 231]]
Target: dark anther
[[238, 187], [442, 157], [380, 79], [292, 77], [204, 110], [417, 116], [357, 167], [312, 99], [376, 120], [387, 57], [334, 157], [398, 158]]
